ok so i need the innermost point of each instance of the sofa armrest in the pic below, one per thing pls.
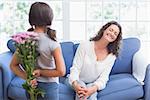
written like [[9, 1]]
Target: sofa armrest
[[1, 85], [139, 65], [7, 74], [147, 84]]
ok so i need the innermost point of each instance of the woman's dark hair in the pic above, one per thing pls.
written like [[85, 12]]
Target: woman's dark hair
[[41, 14], [113, 47]]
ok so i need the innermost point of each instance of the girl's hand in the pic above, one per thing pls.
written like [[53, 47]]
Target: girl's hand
[[37, 72], [33, 83]]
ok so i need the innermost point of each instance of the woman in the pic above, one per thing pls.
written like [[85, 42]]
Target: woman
[[50, 63], [94, 60]]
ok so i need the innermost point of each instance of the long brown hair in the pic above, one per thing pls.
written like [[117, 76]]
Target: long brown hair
[[113, 47], [41, 14]]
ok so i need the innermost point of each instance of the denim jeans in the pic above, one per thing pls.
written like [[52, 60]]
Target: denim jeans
[[51, 90]]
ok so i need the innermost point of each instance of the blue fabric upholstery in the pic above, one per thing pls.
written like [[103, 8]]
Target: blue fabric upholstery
[[7, 74], [15, 85], [129, 47], [75, 48], [1, 84], [121, 86], [11, 45], [147, 84], [66, 93], [68, 54]]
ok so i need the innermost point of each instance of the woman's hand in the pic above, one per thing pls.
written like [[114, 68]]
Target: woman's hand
[[90, 91], [80, 90], [37, 72]]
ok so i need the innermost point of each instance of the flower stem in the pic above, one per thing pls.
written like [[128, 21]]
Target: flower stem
[[33, 97]]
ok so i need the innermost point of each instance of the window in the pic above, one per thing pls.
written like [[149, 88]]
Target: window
[[14, 18], [90, 15], [78, 19]]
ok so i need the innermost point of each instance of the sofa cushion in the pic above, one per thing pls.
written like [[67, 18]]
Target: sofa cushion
[[123, 63], [64, 89], [122, 87], [119, 87], [65, 92]]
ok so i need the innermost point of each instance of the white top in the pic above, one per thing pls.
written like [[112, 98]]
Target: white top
[[86, 67], [46, 59]]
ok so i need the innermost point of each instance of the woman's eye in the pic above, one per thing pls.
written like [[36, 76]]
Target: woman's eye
[[116, 33], [110, 30]]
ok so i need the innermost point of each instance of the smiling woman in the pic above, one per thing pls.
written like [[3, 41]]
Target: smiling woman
[[95, 58]]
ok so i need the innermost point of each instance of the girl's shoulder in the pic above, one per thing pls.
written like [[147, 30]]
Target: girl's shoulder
[[53, 44]]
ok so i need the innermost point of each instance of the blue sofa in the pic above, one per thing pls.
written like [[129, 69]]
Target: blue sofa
[[121, 86]]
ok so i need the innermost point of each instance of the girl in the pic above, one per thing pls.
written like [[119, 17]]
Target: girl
[[50, 63]]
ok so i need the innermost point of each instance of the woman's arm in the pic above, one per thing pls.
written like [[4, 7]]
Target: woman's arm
[[100, 83], [77, 64], [14, 65], [60, 66], [103, 78]]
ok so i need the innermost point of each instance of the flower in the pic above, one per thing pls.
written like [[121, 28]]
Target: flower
[[26, 44]]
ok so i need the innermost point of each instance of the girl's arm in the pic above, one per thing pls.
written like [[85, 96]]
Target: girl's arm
[[14, 65]]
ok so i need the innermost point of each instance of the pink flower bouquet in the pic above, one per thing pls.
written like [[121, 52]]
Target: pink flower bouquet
[[26, 48]]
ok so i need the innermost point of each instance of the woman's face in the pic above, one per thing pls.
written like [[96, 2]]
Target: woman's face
[[111, 33]]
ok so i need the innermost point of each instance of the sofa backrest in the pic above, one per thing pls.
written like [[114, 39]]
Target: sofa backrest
[[68, 54], [123, 63]]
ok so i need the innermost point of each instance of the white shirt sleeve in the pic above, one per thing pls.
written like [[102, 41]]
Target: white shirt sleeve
[[77, 64], [103, 78]]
